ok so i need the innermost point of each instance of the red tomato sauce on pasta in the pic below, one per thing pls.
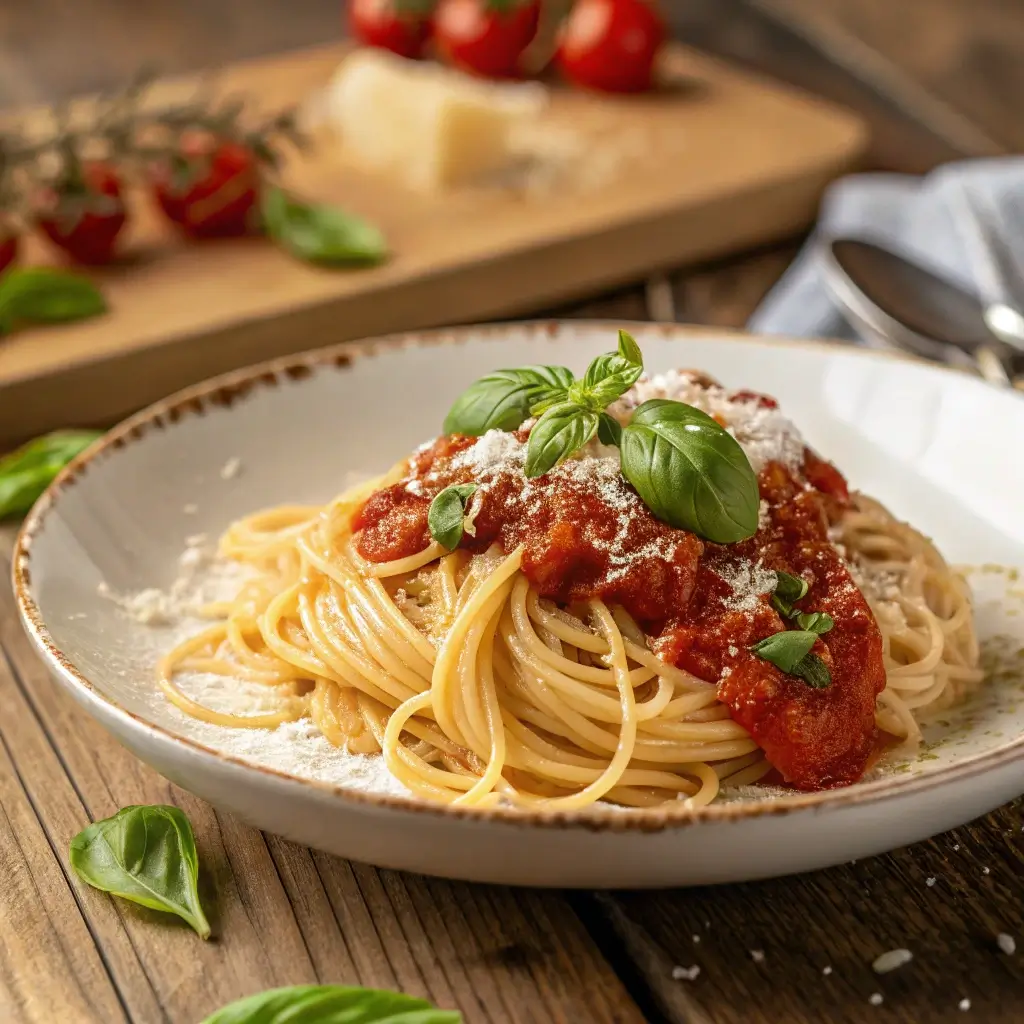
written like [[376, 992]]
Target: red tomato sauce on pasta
[[593, 538]]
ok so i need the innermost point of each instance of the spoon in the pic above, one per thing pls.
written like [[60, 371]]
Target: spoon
[[911, 308]]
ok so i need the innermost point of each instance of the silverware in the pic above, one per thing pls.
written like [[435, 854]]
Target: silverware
[[907, 306], [994, 266]]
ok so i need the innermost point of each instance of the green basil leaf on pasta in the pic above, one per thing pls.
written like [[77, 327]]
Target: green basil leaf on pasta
[[331, 1004], [318, 233], [690, 471], [561, 430], [44, 295], [813, 671], [790, 651], [610, 376], [146, 854], [814, 622], [789, 588], [28, 471], [447, 512], [609, 430], [504, 399]]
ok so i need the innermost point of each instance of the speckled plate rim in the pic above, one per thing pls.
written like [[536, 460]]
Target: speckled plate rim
[[226, 389]]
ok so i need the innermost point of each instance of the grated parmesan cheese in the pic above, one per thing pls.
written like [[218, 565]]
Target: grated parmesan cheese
[[231, 468], [764, 434], [1007, 944], [685, 973]]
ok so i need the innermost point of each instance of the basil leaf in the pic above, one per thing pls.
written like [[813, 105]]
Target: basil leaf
[[146, 854], [560, 431], [787, 649], [815, 622], [789, 588], [609, 430], [319, 233], [690, 472], [612, 375], [814, 672], [27, 472], [446, 513], [331, 1004], [503, 399], [43, 295]]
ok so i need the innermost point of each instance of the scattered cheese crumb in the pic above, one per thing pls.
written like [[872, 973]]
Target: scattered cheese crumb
[[685, 973], [876, 999], [956, 846], [986, 871], [190, 509], [695, 938], [1006, 943], [826, 969], [757, 955], [965, 1004], [929, 882], [231, 468], [892, 960]]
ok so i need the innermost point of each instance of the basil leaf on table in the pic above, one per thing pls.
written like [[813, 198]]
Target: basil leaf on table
[[44, 295], [331, 1004], [690, 471], [504, 399], [28, 471], [146, 854], [562, 430], [319, 233], [610, 376], [447, 512]]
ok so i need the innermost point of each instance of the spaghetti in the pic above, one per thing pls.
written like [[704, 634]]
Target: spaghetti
[[514, 670]]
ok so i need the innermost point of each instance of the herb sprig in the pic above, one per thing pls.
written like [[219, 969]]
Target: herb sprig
[[790, 650], [686, 467], [447, 513]]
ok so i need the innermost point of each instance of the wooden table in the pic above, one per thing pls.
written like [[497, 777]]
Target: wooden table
[[938, 79]]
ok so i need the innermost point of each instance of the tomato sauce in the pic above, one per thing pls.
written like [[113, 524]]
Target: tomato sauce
[[585, 533]]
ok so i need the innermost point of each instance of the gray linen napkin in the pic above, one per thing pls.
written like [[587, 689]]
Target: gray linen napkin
[[924, 218]]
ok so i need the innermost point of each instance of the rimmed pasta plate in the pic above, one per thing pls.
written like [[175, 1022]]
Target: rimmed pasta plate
[[483, 771]]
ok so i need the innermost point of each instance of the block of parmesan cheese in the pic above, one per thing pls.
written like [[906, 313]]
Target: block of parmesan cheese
[[428, 126]]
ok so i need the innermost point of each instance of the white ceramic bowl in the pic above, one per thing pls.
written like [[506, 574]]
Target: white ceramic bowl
[[940, 448]]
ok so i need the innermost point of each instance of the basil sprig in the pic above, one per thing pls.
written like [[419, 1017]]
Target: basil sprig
[[502, 400], [690, 471], [790, 650], [146, 854], [28, 471], [447, 513], [318, 233], [331, 1004], [687, 468]]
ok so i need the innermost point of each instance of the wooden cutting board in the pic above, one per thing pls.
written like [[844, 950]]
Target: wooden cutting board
[[717, 162]]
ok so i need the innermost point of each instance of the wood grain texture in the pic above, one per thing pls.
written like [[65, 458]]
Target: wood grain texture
[[281, 914]]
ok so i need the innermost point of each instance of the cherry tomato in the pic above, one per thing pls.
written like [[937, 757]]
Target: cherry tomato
[[486, 37], [210, 188], [8, 247], [84, 215], [610, 45], [401, 26]]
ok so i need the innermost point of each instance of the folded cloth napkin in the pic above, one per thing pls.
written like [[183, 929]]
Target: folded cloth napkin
[[928, 219]]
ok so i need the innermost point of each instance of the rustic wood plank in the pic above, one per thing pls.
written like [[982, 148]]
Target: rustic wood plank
[[843, 919], [50, 966], [283, 914]]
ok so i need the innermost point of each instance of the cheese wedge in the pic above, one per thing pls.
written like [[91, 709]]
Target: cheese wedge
[[427, 126]]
